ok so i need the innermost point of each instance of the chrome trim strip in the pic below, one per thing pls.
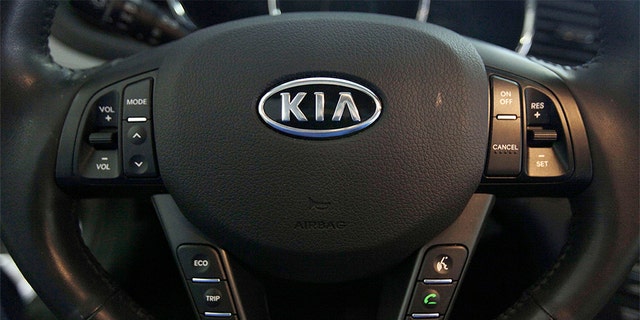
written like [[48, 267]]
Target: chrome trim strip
[[218, 314], [274, 8], [528, 27], [507, 117], [319, 133], [136, 119], [425, 315], [423, 10], [437, 281], [178, 12], [205, 280]]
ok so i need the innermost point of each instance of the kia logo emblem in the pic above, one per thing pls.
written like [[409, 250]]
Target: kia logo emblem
[[319, 107]]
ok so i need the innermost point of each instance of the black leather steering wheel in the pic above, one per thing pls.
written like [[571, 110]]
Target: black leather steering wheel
[[40, 226]]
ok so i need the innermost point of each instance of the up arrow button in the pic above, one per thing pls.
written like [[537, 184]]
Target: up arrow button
[[137, 135]]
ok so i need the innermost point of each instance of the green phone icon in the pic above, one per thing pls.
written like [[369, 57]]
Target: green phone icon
[[429, 297]]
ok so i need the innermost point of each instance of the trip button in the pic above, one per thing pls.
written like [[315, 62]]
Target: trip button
[[212, 298], [200, 262], [136, 100], [506, 97]]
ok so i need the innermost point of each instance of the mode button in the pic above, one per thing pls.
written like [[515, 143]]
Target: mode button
[[136, 100]]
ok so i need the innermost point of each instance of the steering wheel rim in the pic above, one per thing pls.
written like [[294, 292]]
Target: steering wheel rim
[[41, 225]]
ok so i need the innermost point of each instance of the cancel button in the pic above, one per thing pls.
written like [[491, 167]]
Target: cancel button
[[505, 149]]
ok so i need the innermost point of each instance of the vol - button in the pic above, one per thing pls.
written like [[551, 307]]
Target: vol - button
[[137, 135], [103, 164]]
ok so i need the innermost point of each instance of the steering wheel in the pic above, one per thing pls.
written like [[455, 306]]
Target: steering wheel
[[319, 148]]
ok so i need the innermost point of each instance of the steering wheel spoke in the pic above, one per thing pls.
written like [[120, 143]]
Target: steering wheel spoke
[[422, 287]]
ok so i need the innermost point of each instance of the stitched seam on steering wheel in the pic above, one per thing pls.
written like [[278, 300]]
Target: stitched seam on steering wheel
[[514, 308], [542, 308], [603, 42], [528, 294], [93, 263], [599, 54], [136, 309], [45, 32], [115, 289]]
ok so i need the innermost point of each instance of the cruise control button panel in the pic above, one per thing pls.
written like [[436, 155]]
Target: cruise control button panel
[[114, 137], [529, 135]]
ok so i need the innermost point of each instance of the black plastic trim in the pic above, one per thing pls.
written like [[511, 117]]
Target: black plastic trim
[[530, 74], [180, 231]]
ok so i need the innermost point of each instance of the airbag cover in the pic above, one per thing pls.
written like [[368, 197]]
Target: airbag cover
[[322, 209]]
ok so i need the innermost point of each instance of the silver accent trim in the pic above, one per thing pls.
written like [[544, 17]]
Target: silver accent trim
[[507, 117], [423, 10], [218, 314], [205, 280], [528, 27], [136, 119], [425, 315], [274, 8], [319, 133], [437, 281], [178, 12]]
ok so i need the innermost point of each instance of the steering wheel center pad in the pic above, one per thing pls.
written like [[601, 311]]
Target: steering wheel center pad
[[385, 191]]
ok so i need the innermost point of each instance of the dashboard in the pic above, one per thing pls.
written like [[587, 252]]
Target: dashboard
[[564, 32]]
